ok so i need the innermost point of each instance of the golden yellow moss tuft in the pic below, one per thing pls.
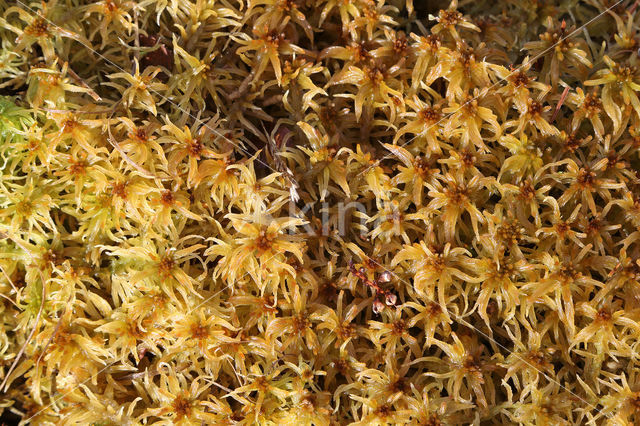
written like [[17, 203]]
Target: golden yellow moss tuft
[[319, 212]]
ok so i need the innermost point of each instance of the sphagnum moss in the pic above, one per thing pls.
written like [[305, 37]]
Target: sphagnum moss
[[319, 212]]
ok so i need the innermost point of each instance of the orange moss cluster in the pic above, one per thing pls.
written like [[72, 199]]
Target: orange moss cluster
[[319, 212]]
